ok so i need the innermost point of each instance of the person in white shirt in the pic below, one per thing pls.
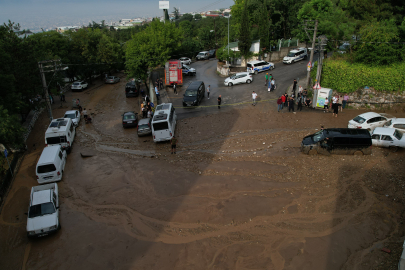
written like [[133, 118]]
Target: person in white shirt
[[254, 96], [208, 91]]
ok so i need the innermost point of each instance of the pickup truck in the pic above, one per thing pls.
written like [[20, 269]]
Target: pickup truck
[[43, 212]]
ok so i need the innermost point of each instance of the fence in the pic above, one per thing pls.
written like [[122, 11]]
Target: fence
[[29, 124], [6, 179]]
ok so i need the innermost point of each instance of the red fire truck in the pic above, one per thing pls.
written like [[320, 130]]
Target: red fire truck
[[173, 73]]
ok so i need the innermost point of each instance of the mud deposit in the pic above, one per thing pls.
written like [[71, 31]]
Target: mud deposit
[[237, 195]]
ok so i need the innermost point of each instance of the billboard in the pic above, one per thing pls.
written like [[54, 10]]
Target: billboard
[[163, 4]]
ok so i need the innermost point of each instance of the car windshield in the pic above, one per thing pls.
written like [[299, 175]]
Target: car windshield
[[233, 76], [201, 53], [359, 119], [190, 93], [290, 54], [129, 117], [41, 209], [143, 126], [76, 83], [70, 115], [318, 136], [46, 168], [249, 65], [110, 78], [398, 135]]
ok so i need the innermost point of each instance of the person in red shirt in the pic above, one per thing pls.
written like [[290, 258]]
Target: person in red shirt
[[279, 104], [283, 100]]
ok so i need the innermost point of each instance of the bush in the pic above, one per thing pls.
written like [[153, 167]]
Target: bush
[[345, 77]]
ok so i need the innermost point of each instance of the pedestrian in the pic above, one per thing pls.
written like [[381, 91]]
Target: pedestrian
[[283, 100], [50, 99], [267, 79], [219, 102], [149, 114], [326, 105], [173, 142], [77, 102], [304, 94], [291, 104], [157, 92], [208, 91], [268, 86], [147, 98], [142, 93], [161, 84], [300, 90], [335, 106], [279, 104], [345, 99], [307, 102], [295, 85], [273, 85], [286, 100], [254, 96], [340, 103], [175, 88], [299, 108], [80, 109], [271, 77], [84, 112]]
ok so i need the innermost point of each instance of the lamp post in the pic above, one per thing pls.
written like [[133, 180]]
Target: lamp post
[[229, 15]]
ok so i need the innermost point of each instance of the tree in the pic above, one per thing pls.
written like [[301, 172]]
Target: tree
[[176, 13], [187, 17], [245, 40], [197, 16], [151, 48]]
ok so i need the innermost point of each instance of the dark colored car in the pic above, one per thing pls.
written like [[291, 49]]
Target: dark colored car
[[194, 94], [144, 127], [131, 90], [211, 53], [129, 119], [338, 141]]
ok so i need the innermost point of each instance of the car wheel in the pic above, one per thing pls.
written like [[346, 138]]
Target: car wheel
[[393, 149], [312, 152], [358, 153], [248, 81], [256, 72], [271, 68], [230, 84]]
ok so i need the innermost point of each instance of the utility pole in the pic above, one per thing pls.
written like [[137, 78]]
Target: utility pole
[[52, 67], [313, 48]]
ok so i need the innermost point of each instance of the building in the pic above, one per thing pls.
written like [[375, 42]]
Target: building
[[254, 48], [62, 29]]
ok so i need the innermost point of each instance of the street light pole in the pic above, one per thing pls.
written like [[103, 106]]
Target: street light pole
[[228, 32]]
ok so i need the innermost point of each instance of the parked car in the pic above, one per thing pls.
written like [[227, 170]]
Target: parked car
[[112, 79], [131, 90], [259, 66], [130, 119], [398, 123], [369, 120], [188, 70], [194, 94], [74, 115], [185, 60], [344, 48], [203, 55], [388, 137], [43, 211], [144, 127], [211, 53], [338, 141], [242, 77], [295, 56], [79, 86]]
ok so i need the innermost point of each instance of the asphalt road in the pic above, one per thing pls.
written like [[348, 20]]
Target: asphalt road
[[237, 94]]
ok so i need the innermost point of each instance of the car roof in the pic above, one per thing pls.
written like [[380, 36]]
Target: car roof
[[346, 132], [369, 115], [244, 73], [256, 61], [40, 197], [194, 85], [398, 120], [72, 111], [384, 131], [48, 154], [60, 128], [203, 52], [184, 58], [129, 112], [143, 121]]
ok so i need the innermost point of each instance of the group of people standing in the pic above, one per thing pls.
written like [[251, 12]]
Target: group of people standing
[[270, 82], [147, 108], [337, 102]]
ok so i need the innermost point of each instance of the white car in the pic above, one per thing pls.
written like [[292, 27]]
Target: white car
[[79, 86], [74, 115], [388, 137], [398, 123], [242, 77], [370, 120], [185, 61], [43, 212]]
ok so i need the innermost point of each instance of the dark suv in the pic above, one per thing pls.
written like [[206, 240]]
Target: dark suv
[[131, 90], [194, 94]]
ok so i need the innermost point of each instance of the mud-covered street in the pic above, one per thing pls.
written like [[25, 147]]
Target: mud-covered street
[[238, 194]]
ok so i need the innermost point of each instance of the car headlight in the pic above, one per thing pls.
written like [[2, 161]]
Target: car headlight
[[53, 227]]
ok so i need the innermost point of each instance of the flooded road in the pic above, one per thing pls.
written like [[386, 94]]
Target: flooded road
[[237, 195]]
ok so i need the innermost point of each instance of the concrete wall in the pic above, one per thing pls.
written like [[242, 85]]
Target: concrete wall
[[222, 69]]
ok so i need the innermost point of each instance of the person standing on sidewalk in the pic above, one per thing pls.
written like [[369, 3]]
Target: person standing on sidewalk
[[161, 84], [340, 103], [295, 86], [300, 101], [335, 106], [157, 92], [286, 100], [267, 79], [173, 143], [273, 85], [304, 94], [175, 88], [254, 96], [283, 100], [219, 102], [208, 91], [345, 99], [326, 105], [291, 104], [279, 104]]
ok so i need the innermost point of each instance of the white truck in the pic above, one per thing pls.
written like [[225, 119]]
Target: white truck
[[43, 212]]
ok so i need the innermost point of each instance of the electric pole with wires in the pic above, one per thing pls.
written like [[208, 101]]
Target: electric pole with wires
[[308, 27]]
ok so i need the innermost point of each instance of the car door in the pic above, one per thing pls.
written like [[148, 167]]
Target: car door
[[242, 78], [386, 141], [375, 139], [381, 121], [371, 123]]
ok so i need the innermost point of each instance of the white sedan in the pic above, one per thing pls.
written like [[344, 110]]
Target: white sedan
[[185, 61], [398, 123], [388, 137], [370, 120], [242, 77], [80, 85], [74, 115]]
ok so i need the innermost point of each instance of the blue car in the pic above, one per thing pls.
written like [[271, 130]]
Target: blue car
[[259, 66]]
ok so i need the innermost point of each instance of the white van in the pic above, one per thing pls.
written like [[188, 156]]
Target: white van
[[51, 164], [61, 132], [295, 56], [259, 66], [164, 122]]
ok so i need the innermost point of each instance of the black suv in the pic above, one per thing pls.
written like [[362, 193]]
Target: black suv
[[131, 90], [194, 94]]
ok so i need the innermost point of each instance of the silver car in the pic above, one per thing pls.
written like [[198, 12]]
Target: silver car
[[242, 77], [112, 79], [144, 127], [185, 61]]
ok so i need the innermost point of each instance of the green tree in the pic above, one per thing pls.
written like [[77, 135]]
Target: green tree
[[197, 16], [245, 40], [11, 130], [176, 13]]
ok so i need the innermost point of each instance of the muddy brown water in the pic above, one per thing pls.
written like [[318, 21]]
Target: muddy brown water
[[237, 195]]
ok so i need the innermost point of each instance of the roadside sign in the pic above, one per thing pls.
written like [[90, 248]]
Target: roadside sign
[[309, 64], [5, 152], [163, 4]]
